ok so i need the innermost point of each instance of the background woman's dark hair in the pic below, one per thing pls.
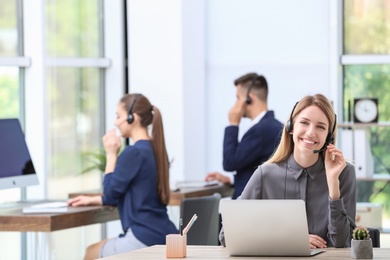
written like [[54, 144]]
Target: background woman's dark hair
[[150, 115]]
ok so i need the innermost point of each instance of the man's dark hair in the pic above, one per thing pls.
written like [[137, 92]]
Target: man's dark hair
[[255, 82]]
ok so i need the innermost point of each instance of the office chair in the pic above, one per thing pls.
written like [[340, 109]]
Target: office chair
[[205, 229], [375, 237]]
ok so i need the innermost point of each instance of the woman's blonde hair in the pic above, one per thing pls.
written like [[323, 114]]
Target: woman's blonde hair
[[286, 145]]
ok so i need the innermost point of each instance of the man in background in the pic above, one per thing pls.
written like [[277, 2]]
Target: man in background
[[258, 143]]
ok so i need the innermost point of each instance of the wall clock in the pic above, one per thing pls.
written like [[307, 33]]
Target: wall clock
[[365, 110]]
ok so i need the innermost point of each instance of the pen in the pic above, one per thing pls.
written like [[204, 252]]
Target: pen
[[190, 223]]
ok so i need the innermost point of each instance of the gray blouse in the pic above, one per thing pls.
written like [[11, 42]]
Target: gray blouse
[[333, 220]]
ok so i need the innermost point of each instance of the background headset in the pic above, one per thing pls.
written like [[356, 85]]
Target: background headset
[[329, 137], [130, 117], [248, 98]]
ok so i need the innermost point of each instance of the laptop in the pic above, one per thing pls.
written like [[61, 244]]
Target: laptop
[[266, 228]]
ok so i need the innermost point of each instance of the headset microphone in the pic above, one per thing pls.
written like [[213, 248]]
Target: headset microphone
[[318, 151], [329, 138], [122, 122]]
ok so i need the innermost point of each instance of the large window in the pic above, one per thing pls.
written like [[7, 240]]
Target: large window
[[52, 77], [74, 92], [366, 69], [74, 102]]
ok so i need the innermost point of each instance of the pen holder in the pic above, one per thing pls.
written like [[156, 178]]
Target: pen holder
[[176, 246]]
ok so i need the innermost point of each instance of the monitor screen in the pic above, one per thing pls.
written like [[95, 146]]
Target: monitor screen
[[16, 166]]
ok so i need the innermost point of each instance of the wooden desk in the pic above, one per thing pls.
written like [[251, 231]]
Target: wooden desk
[[13, 219], [177, 196], [219, 252]]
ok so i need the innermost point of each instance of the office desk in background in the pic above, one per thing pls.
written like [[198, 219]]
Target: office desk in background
[[177, 195], [219, 252], [13, 219]]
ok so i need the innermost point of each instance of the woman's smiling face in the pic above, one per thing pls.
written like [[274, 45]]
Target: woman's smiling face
[[311, 127]]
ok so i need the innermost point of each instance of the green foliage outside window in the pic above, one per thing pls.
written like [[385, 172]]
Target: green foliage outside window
[[367, 31], [8, 28], [373, 81], [73, 28], [367, 27], [9, 93]]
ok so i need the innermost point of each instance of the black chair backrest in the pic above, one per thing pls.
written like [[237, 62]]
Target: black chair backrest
[[375, 237], [205, 229]]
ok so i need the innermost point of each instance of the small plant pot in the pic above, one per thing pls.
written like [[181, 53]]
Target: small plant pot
[[361, 249]]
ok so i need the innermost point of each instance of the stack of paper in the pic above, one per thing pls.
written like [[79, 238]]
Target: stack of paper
[[196, 184], [50, 207]]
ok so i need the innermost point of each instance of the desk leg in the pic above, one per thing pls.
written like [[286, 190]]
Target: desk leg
[[23, 240], [39, 246], [103, 230]]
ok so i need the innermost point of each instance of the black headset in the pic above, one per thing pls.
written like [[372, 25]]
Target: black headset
[[248, 98], [329, 138], [130, 117], [289, 124]]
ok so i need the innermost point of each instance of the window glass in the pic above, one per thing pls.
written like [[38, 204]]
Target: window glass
[[8, 28], [373, 81], [369, 81], [367, 27], [73, 28], [74, 107], [9, 92]]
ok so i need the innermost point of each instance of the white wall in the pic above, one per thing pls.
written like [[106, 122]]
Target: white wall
[[286, 41], [166, 54], [185, 54]]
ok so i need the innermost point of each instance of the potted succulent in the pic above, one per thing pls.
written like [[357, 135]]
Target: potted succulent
[[361, 244]]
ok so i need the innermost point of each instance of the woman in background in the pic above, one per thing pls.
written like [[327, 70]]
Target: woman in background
[[137, 181], [308, 166]]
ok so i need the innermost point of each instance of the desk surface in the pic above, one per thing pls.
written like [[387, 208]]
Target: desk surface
[[219, 252], [13, 219], [178, 195]]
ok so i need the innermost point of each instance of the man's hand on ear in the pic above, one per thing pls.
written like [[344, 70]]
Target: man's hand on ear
[[237, 112]]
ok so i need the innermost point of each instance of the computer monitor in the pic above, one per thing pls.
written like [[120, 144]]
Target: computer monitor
[[16, 166]]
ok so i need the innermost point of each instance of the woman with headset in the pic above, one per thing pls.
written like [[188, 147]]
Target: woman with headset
[[136, 181], [308, 166]]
